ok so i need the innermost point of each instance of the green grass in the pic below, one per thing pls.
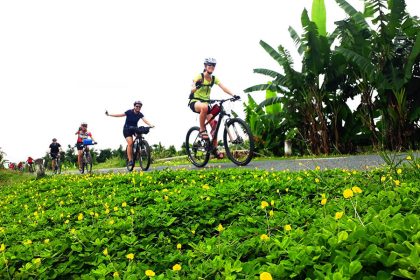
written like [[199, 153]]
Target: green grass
[[8, 177]]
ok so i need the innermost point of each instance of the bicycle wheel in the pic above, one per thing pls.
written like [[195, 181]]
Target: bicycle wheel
[[198, 149], [88, 164], [144, 155], [238, 141]]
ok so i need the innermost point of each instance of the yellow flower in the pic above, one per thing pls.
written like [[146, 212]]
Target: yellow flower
[[272, 203], [107, 211], [116, 274], [338, 215], [397, 182], [323, 195], [348, 193], [399, 171], [73, 231], [323, 201], [115, 209], [317, 180], [206, 187], [2, 247], [37, 261], [264, 204], [271, 213], [46, 241], [220, 228], [176, 267], [130, 256], [408, 158], [193, 231], [264, 237], [80, 217], [105, 252], [149, 273], [178, 246], [383, 178], [356, 189], [317, 168], [27, 242], [265, 276], [124, 204], [287, 227]]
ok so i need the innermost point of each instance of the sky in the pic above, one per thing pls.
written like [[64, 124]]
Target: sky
[[66, 62]]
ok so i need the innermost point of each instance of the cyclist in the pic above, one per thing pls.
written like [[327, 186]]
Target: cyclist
[[130, 126], [30, 162], [200, 93], [55, 149], [82, 133]]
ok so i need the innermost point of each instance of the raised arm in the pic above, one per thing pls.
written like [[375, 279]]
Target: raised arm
[[114, 115]]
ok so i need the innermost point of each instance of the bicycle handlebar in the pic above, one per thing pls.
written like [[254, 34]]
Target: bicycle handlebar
[[233, 99]]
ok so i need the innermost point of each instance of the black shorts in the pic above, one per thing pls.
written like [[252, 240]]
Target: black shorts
[[192, 104], [79, 146], [54, 155], [129, 131]]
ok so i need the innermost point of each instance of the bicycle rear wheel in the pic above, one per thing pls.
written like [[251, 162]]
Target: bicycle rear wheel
[[144, 155], [198, 149], [238, 141]]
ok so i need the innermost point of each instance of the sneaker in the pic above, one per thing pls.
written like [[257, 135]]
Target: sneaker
[[130, 163], [81, 171]]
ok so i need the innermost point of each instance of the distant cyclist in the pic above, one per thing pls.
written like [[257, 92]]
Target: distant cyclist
[[131, 127], [82, 133], [30, 162], [200, 93], [55, 149]]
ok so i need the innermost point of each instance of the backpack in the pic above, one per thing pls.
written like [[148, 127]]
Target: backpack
[[199, 84]]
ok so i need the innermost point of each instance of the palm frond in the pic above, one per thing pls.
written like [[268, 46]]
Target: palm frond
[[270, 101], [267, 72], [415, 52], [297, 40], [353, 13], [260, 87], [364, 64]]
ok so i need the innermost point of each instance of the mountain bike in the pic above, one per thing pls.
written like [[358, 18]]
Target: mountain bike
[[56, 164], [141, 150], [87, 161], [237, 137]]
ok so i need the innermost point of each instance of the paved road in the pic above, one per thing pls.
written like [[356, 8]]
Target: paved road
[[358, 162]]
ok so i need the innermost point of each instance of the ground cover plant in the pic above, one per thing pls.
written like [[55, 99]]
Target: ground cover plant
[[214, 224]]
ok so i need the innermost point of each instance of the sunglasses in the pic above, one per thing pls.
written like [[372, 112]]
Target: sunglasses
[[138, 106], [211, 64]]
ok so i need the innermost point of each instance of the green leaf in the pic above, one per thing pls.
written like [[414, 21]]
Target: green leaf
[[355, 267], [319, 16], [342, 235]]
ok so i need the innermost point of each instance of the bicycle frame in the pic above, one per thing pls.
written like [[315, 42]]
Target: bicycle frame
[[219, 117]]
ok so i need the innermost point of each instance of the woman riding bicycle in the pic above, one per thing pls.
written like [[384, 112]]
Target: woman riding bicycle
[[130, 126], [200, 93], [82, 133]]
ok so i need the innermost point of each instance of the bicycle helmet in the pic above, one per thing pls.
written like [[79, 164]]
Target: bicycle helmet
[[83, 124], [138, 102], [54, 139], [210, 60]]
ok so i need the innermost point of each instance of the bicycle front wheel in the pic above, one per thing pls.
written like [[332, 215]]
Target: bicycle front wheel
[[144, 155], [88, 163], [198, 149], [238, 141]]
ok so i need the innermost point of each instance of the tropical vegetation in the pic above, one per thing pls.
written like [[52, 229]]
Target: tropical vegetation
[[372, 56]]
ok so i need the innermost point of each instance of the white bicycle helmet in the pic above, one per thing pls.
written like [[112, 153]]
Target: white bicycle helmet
[[210, 60], [138, 102], [83, 124]]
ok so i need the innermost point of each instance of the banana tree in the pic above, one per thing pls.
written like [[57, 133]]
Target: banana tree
[[383, 61]]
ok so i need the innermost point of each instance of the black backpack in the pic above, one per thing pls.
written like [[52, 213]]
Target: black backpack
[[199, 84]]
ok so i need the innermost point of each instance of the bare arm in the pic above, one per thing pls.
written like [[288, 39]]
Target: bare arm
[[147, 122], [114, 115], [225, 89]]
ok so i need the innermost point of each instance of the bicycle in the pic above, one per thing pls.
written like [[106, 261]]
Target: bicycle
[[141, 150], [237, 138], [87, 161], [56, 163]]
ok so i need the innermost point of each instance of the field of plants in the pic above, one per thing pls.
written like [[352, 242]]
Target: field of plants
[[214, 224]]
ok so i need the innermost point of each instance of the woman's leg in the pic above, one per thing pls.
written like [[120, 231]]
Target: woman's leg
[[129, 148], [202, 109]]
